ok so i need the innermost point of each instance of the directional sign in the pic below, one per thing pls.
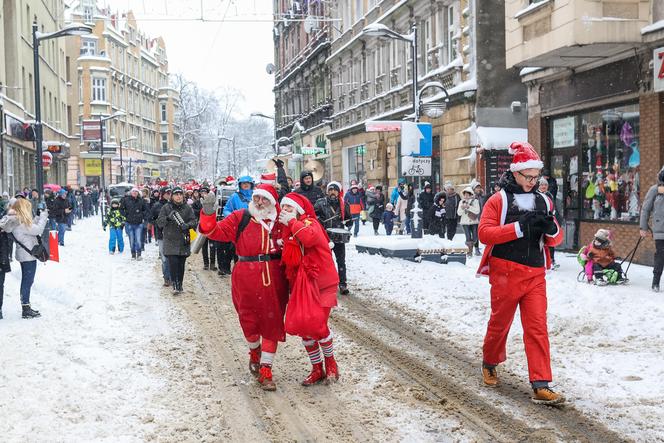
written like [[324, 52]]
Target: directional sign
[[426, 144], [416, 139]]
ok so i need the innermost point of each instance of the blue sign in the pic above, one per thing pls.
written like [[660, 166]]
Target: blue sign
[[426, 144]]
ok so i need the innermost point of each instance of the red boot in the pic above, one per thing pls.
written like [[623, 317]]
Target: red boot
[[331, 369], [254, 360], [317, 375], [265, 378]]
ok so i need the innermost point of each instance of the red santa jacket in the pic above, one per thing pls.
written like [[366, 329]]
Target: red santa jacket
[[493, 230], [317, 254]]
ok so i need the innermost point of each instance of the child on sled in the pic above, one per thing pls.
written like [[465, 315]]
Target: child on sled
[[599, 261]]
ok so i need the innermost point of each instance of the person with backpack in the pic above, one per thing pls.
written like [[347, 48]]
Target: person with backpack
[[241, 199], [356, 204], [176, 219], [26, 232], [259, 287], [115, 222], [469, 211]]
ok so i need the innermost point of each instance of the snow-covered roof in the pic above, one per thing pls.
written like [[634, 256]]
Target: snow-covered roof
[[529, 70], [491, 137], [531, 8], [657, 26]]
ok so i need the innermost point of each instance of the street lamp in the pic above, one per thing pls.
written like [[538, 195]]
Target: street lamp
[[71, 29], [132, 138], [434, 109], [381, 31], [102, 120]]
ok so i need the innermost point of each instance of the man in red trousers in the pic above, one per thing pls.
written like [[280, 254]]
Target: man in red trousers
[[259, 287], [518, 227]]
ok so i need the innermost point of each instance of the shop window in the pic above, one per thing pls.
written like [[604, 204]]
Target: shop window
[[356, 163], [611, 158]]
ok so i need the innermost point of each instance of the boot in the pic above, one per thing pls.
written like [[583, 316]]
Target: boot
[[167, 283], [317, 375], [331, 370], [470, 245], [655, 284], [477, 251], [138, 256], [111, 252], [343, 289], [213, 267], [254, 361], [545, 396], [490, 376], [265, 378], [133, 255], [0, 315], [206, 267], [28, 312]]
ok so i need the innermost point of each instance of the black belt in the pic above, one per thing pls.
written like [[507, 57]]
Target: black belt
[[259, 258]]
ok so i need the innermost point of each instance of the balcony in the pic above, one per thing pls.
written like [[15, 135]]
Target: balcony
[[571, 33]]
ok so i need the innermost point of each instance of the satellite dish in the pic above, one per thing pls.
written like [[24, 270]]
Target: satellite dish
[[270, 68], [310, 24]]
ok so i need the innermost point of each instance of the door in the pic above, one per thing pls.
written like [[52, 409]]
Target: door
[[565, 169]]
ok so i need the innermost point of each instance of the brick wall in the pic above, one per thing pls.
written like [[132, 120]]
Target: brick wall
[[651, 108]]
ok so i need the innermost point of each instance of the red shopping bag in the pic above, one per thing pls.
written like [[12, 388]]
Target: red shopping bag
[[304, 315], [53, 253]]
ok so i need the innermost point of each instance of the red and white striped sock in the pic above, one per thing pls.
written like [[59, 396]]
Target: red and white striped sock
[[313, 350], [267, 358], [327, 346]]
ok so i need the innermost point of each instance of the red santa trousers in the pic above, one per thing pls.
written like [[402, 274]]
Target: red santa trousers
[[512, 285]]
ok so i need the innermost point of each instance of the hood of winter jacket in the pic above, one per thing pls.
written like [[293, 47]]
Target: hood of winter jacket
[[246, 179], [304, 174]]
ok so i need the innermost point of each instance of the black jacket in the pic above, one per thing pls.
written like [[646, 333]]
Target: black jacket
[[425, 201], [154, 214], [50, 205], [175, 237], [135, 210], [451, 206], [312, 192], [59, 207], [329, 214], [196, 206]]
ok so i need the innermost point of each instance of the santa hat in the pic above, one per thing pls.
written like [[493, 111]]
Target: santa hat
[[267, 191], [525, 157], [230, 179], [301, 204], [270, 178]]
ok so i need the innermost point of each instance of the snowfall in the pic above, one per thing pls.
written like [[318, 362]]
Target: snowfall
[[87, 371]]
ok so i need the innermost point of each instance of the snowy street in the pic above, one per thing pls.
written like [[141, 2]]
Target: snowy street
[[117, 357]]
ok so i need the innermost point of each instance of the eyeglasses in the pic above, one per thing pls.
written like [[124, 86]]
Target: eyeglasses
[[530, 178]]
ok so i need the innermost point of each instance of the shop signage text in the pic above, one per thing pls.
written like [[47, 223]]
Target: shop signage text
[[658, 59], [415, 166], [564, 132], [92, 167]]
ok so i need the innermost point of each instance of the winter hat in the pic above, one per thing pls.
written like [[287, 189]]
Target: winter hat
[[543, 181], [229, 179], [301, 204], [62, 192], [602, 238], [115, 201], [177, 190], [524, 157], [389, 207], [5, 194], [468, 190], [449, 185], [245, 179], [134, 190], [267, 191], [204, 189], [334, 185], [270, 179]]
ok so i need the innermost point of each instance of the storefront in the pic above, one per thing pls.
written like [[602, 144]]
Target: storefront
[[594, 155]]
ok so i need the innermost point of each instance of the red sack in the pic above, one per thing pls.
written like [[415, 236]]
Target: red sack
[[305, 317], [53, 252]]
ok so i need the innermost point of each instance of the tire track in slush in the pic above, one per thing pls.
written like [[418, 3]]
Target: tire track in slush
[[371, 323]]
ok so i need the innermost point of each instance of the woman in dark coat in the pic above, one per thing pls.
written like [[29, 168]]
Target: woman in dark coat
[[5, 258], [377, 208], [176, 218]]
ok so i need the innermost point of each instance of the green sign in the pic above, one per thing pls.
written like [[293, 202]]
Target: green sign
[[361, 149], [309, 150]]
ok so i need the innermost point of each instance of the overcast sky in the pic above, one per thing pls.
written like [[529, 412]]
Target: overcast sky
[[215, 54]]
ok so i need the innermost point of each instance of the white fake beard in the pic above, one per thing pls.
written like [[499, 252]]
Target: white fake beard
[[525, 202], [269, 213]]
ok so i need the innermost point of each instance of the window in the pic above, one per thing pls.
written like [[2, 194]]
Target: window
[[451, 29], [164, 143], [356, 163], [610, 158], [359, 10], [98, 89], [88, 46]]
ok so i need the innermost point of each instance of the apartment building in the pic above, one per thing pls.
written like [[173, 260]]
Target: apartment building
[[119, 69], [17, 94], [595, 107], [303, 101], [461, 46]]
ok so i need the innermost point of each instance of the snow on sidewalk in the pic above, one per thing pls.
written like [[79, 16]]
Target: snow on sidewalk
[[607, 343], [86, 370]]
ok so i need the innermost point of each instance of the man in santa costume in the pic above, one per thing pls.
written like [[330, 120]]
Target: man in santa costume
[[307, 249], [518, 227], [258, 283]]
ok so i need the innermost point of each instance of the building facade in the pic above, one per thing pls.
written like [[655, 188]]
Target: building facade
[[460, 46], [17, 94], [119, 69], [594, 112], [303, 101]]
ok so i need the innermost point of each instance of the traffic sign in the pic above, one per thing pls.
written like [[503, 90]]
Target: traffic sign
[[416, 139], [416, 166]]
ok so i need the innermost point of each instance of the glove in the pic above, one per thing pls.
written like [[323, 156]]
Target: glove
[[278, 162], [549, 225], [531, 224], [209, 204], [525, 221], [285, 217]]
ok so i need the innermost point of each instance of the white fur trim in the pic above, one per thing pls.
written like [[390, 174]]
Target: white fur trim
[[517, 228], [293, 203], [503, 208], [525, 202], [530, 164], [331, 244], [334, 183], [266, 194]]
